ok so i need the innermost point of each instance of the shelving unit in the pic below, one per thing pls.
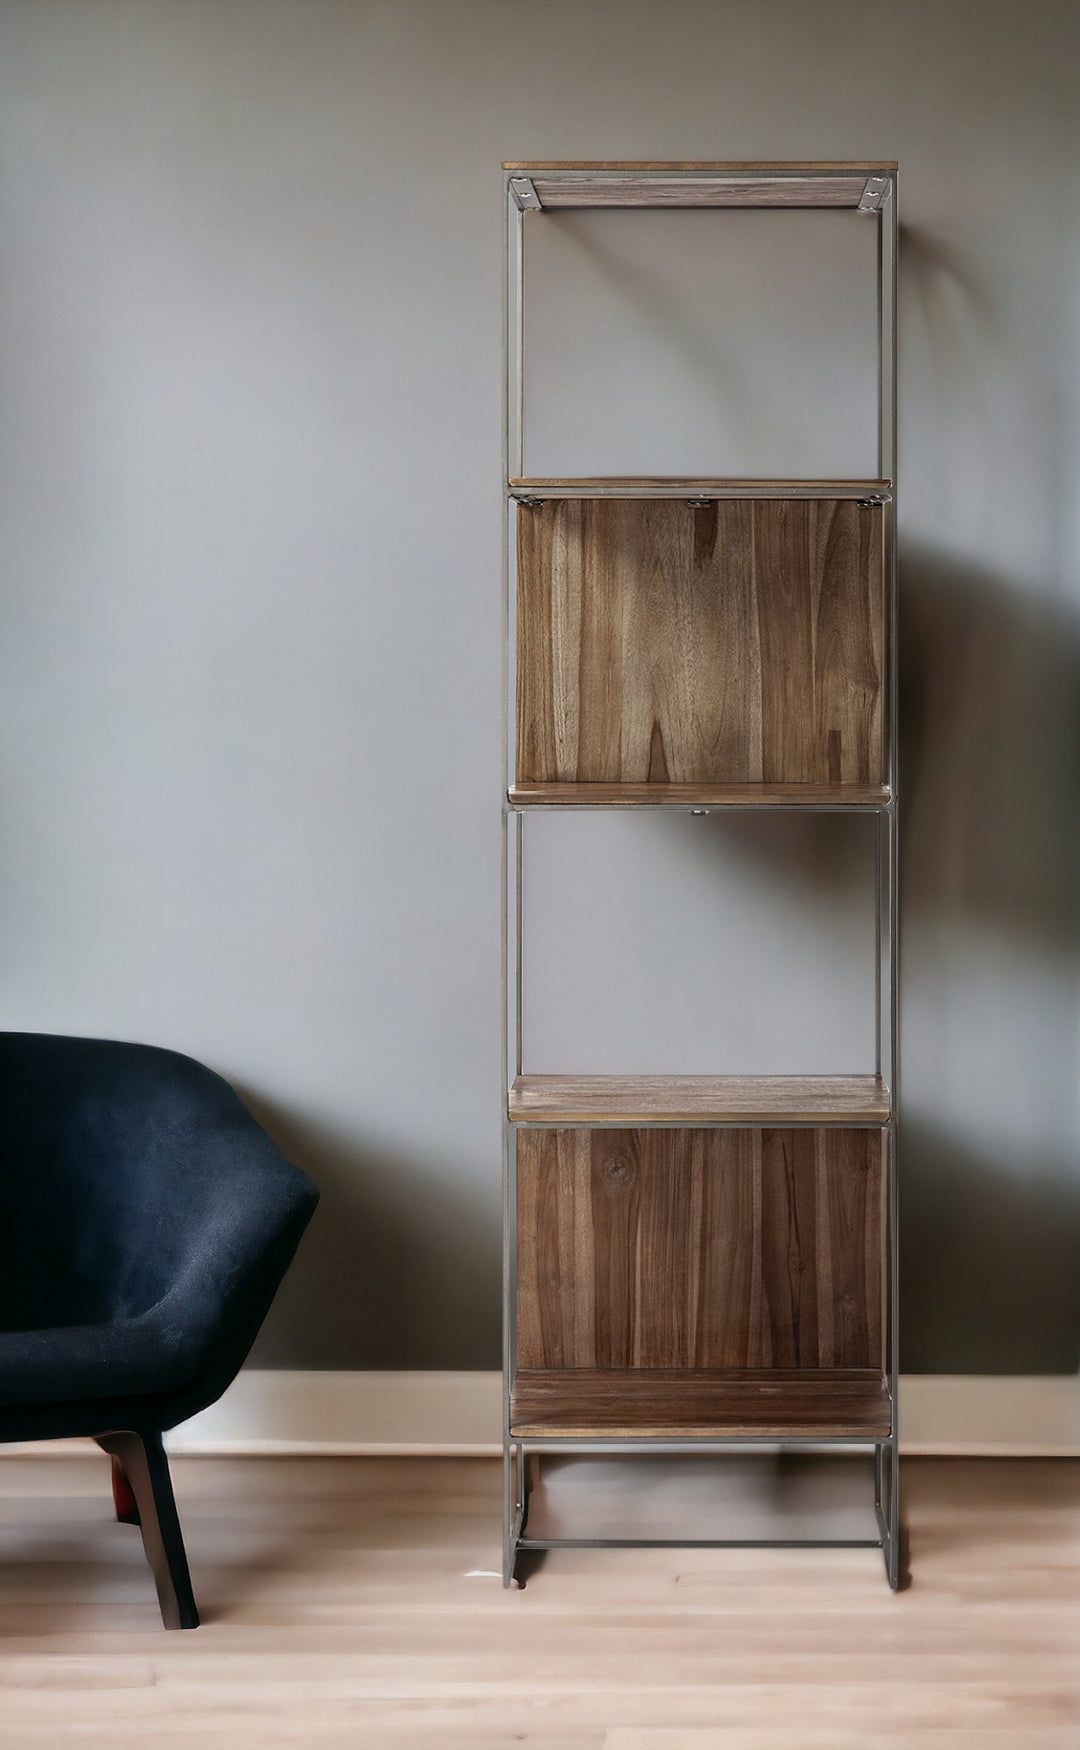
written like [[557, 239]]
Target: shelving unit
[[693, 1262]]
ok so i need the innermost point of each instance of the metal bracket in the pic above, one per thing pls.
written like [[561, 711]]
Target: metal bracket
[[873, 195], [524, 194]]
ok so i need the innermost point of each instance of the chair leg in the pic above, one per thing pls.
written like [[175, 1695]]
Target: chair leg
[[127, 1511], [146, 1469]]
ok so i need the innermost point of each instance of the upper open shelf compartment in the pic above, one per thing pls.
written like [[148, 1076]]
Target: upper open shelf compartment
[[542, 187]]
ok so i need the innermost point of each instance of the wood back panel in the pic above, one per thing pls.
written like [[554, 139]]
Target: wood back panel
[[734, 642], [699, 1248]]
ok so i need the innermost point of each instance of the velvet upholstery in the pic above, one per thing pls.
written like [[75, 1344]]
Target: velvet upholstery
[[146, 1222]]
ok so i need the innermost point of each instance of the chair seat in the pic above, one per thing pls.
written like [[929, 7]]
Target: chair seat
[[122, 1358]]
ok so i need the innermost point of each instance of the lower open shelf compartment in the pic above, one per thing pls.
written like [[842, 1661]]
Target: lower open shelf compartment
[[683, 1403]]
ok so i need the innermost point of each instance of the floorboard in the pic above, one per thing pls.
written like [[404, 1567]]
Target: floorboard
[[356, 1602]]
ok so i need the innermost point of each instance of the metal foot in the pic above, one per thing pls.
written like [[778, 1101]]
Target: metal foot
[[515, 1511], [887, 1513]]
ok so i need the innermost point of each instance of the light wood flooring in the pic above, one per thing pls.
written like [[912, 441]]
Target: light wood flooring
[[354, 1602]]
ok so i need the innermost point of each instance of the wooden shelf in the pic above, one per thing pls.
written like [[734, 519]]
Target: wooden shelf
[[680, 486], [822, 796], [767, 1403], [702, 184], [748, 1100]]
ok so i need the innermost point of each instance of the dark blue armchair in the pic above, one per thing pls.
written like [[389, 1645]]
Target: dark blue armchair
[[146, 1222]]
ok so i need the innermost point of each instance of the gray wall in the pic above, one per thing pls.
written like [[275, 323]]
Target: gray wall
[[249, 622]]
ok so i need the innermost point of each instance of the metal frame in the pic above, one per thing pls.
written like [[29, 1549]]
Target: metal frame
[[536, 492], [879, 203]]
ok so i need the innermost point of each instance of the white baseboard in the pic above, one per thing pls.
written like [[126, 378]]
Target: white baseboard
[[458, 1415], [395, 1415], [974, 1415]]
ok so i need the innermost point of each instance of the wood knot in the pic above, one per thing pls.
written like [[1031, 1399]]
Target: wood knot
[[618, 1170]]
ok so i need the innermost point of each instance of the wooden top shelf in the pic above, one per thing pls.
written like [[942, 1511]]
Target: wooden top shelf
[[678, 486], [631, 1403], [827, 797], [742, 184], [688, 1100]]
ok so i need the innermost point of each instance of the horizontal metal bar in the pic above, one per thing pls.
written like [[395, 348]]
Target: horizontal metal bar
[[693, 1443], [536, 495], [633, 1121], [737, 171], [699, 808], [526, 1543]]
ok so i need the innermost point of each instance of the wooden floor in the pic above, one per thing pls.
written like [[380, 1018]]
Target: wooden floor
[[355, 1603]]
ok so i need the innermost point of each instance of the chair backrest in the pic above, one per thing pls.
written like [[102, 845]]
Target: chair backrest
[[113, 1157]]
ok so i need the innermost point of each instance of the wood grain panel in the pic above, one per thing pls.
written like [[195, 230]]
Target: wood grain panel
[[629, 1100], [732, 190], [699, 1248], [738, 642], [824, 184], [698, 795], [673, 1404]]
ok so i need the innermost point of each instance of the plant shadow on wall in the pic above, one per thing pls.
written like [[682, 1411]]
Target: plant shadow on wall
[[395, 1269]]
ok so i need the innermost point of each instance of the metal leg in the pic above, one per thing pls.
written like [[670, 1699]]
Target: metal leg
[[515, 1508], [887, 1509], [893, 1561], [508, 1518], [524, 1474]]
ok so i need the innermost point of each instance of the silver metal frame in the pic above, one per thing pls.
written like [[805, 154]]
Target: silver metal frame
[[880, 203], [537, 491]]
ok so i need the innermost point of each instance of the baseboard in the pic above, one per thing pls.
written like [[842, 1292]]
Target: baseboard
[[458, 1415], [403, 1415], [970, 1415]]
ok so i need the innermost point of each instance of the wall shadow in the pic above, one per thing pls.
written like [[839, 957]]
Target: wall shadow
[[990, 752], [399, 1268], [990, 759], [988, 1260], [990, 809]]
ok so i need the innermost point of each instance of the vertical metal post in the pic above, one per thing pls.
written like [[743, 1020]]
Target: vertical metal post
[[880, 902], [887, 459], [511, 846]]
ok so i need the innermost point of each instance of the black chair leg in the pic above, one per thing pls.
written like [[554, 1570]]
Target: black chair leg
[[145, 1468]]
